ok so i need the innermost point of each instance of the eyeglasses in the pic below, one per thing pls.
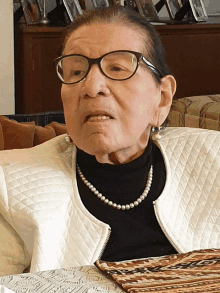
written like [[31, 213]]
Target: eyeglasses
[[116, 65]]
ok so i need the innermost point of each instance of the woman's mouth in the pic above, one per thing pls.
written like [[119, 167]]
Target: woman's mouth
[[97, 118]]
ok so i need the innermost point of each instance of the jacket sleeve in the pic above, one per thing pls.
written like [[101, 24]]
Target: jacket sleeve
[[13, 257]]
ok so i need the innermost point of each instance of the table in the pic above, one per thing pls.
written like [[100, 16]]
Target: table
[[83, 279], [195, 271]]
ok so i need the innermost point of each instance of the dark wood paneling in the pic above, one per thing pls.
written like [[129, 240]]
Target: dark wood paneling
[[36, 79], [192, 54]]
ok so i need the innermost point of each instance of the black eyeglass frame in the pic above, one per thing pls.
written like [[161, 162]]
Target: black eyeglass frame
[[97, 61]]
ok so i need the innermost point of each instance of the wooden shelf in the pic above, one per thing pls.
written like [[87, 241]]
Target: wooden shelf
[[192, 53], [37, 88]]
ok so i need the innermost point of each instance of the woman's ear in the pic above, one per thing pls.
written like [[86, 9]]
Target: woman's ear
[[167, 91]]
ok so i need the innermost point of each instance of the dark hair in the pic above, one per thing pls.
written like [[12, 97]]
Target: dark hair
[[153, 51]]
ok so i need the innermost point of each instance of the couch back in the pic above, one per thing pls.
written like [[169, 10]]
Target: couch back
[[17, 135], [27, 130]]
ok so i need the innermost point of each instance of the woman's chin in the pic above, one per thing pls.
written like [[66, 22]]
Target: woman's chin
[[109, 153], [98, 148]]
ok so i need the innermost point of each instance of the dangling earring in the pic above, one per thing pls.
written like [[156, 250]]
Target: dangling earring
[[68, 138], [156, 133]]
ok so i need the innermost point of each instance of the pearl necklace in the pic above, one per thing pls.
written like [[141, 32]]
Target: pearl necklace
[[109, 202]]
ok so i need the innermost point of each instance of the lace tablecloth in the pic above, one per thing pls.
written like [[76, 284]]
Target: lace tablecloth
[[193, 272], [84, 279]]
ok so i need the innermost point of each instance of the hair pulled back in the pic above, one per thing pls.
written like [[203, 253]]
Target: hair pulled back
[[121, 15]]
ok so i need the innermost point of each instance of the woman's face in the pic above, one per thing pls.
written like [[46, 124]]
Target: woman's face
[[130, 104]]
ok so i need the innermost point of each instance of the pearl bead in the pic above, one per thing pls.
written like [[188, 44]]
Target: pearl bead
[[158, 136], [109, 202], [67, 139]]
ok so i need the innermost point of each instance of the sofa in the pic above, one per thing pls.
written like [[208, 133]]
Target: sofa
[[197, 112], [27, 130]]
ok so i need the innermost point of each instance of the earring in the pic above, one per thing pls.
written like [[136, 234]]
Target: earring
[[67, 138], [156, 133]]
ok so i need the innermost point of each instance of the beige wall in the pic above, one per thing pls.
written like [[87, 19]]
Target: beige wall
[[6, 58]]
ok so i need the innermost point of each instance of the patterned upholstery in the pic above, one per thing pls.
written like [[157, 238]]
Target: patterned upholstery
[[197, 112], [196, 271]]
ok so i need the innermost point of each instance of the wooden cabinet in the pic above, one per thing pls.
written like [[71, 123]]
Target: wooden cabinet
[[37, 87], [193, 54]]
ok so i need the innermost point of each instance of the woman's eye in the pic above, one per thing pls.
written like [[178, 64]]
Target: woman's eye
[[76, 72], [117, 68]]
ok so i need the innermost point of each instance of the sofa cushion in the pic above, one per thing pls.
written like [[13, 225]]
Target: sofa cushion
[[43, 134], [59, 128], [41, 119], [17, 135], [1, 138], [197, 112]]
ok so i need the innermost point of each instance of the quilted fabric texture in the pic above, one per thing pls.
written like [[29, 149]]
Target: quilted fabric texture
[[40, 201], [197, 112], [189, 207], [39, 198], [13, 259]]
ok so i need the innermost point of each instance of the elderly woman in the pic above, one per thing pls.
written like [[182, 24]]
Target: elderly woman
[[109, 190]]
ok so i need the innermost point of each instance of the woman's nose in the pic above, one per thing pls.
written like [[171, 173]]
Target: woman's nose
[[95, 83]]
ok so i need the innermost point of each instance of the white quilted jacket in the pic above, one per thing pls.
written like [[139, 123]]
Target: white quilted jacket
[[44, 221]]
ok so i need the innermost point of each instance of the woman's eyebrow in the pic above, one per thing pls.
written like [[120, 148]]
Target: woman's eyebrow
[[72, 49]]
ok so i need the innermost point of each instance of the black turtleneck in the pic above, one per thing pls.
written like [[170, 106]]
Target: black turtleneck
[[135, 233]]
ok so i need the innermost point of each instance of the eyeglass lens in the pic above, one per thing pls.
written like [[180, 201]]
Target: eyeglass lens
[[116, 65]]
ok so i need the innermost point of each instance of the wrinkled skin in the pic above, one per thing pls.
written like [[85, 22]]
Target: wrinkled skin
[[134, 105]]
